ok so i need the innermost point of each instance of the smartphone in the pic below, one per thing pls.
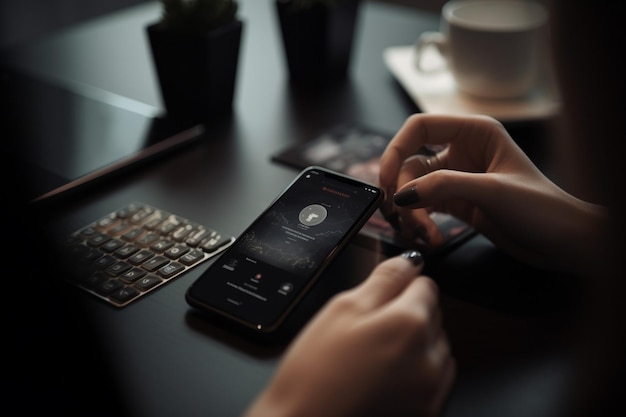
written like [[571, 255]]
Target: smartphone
[[260, 279]]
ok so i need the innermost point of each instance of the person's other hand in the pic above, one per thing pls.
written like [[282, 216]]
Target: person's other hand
[[378, 349], [483, 178]]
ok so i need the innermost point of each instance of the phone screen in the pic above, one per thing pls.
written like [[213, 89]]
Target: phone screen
[[275, 261]]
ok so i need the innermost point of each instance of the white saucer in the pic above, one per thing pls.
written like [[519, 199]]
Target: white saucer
[[436, 92]]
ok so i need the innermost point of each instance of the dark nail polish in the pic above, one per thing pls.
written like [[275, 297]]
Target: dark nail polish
[[414, 256], [406, 197]]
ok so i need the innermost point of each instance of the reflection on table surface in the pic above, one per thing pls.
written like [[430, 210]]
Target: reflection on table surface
[[508, 324]]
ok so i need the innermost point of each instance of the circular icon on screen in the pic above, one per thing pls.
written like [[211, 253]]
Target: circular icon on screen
[[286, 288], [313, 215]]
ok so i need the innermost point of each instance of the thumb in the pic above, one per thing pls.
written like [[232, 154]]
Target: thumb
[[390, 278]]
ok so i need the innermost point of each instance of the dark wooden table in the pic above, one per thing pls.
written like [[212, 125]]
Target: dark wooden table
[[509, 325]]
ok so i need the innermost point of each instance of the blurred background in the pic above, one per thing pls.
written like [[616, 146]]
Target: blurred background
[[22, 20]]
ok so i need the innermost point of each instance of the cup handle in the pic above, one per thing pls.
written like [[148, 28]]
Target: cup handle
[[426, 40]]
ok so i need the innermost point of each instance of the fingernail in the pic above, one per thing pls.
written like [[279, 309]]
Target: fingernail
[[406, 197], [414, 256]]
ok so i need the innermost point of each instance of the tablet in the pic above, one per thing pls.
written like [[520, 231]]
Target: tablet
[[65, 141]]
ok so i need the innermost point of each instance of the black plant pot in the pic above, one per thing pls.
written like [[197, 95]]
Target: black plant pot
[[318, 41], [196, 72]]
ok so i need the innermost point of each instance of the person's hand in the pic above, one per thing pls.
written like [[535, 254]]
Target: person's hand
[[378, 349], [483, 178]]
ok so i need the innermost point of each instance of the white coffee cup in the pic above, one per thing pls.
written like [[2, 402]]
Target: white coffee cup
[[492, 48]]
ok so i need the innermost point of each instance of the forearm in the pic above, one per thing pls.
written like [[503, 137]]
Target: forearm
[[570, 233], [537, 222]]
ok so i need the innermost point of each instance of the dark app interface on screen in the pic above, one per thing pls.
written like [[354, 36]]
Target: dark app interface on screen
[[276, 257]]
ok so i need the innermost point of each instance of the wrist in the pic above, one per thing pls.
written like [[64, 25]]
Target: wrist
[[587, 238]]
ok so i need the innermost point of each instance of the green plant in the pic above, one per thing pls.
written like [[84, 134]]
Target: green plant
[[307, 4], [197, 15]]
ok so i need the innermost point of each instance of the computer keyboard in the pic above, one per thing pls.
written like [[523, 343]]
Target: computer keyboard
[[130, 252]]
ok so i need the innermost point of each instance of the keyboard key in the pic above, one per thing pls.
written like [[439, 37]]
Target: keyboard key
[[133, 234], [192, 257], [88, 231], [177, 251], [170, 224], [126, 212], [148, 239], [170, 270], [108, 286], [155, 263], [92, 254], [214, 243], [98, 239], [140, 257], [120, 228], [180, 233], [133, 275], [162, 245], [111, 245], [155, 219], [126, 251], [140, 215], [104, 261], [197, 236], [124, 294], [148, 282], [107, 222], [118, 268]]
